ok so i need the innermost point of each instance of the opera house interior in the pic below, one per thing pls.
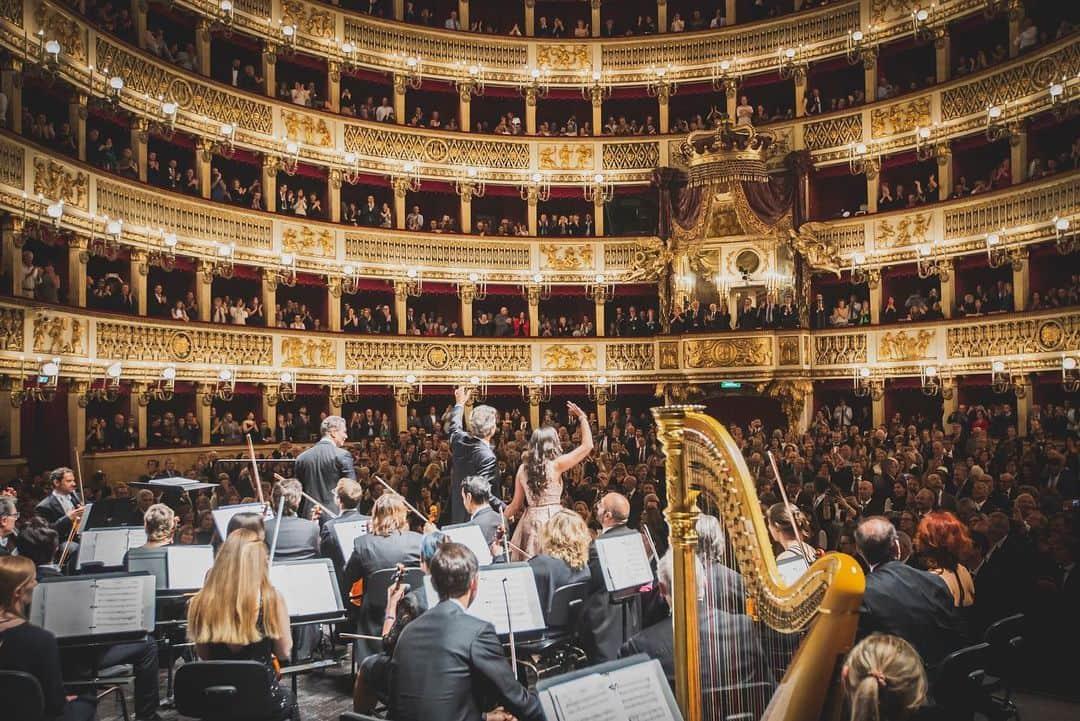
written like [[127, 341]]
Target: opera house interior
[[626, 335]]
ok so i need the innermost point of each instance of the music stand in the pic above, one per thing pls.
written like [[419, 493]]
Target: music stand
[[110, 513], [106, 607], [471, 536], [178, 570], [634, 685], [108, 545], [223, 514], [310, 590], [346, 533], [174, 486], [526, 615]]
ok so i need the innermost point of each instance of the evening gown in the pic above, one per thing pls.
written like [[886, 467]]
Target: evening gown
[[539, 507]]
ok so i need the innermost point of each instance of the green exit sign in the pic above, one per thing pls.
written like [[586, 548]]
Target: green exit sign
[[730, 385]]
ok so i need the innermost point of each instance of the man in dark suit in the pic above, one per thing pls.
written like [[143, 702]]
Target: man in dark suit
[[297, 538], [431, 421], [62, 507], [904, 601], [9, 514], [348, 494], [476, 495], [320, 467], [769, 316], [446, 660], [602, 621], [471, 452]]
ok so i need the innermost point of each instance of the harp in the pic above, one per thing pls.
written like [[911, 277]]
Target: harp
[[752, 648]]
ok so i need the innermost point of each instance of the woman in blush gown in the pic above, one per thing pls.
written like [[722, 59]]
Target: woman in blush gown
[[538, 485]]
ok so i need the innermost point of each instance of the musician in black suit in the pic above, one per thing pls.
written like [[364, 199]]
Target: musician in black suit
[[446, 660], [63, 507], [902, 600], [471, 453], [320, 467], [297, 538], [347, 496], [476, 495], [563, 557], [9, 514], [602, 621]]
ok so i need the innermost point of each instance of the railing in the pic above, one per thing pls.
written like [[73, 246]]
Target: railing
[[30, 334]]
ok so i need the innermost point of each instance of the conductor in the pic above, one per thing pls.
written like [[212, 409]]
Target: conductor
[[320, 467], [471, 453]]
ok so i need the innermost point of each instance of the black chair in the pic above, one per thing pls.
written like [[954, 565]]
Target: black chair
[[350, 716], [1007, 658], [225, 691], [959, 686], [555, 645], [373, 606], [22, 696]]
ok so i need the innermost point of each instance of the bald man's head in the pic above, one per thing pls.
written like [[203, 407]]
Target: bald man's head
[[613, 510], [876, 540]]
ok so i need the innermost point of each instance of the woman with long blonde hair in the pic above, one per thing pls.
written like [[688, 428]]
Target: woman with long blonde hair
[[538, 486], [564, 554], [884, 679], [239, 615]]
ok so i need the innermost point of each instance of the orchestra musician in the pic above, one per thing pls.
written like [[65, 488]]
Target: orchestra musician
[[239, 615], [159, 521], [471, 453], [297, 538], [62, 508], [445, 659], [347, 494], [320, 467], [476, 496], [9, 514], [564, 555]]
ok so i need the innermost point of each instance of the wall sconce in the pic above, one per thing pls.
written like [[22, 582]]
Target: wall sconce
[[930, 380], [536, 287], [470, 82], [474, 287], [1063, 99], [602, 390], [350, 279], [536, 390], [222, 145], [862, 162], [722, 281], [926, 146], [1001, 380], [776, 282], [536, 189], [537, 86], [409, 73], [113, 89], [413, 285], [224, 264], [165, 256], [600, 288], [42, 389], [162, 389], [410, 391], [596, 87], [1000, 125], [926, 27], [1066, 239], [350, 171], [660, 84], [863, 274], [285, 273], [55, 211], [223, 17], [165, 124], [599, 190], [997, 254], [107, 245], [348, 61], [285, 391], [290, 160], [105, 389], [288, 38], [1070, 374], [406, 180], [928, 265], [469, 184], [867, 383], [726, 76], [791, 63], [479, 387], [49, 55], [861, 49], [224, 387], [348, 392]]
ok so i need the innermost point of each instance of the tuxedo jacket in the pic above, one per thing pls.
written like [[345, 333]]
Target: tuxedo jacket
[[298, 538], [602, 621], [52, 511], [320, 467], [471, 456]]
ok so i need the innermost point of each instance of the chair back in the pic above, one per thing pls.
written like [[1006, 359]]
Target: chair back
[[22, 696], [958, 685], [377, 584], [225, 691], [566, 604], [1006, 640]]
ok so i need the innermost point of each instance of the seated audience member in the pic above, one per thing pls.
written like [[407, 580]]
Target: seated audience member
[[883, 679], [297, 538], [564, 555], [27, 648], [9, 516], [907, 602], [445, 658], [239, 615], [941, 541]]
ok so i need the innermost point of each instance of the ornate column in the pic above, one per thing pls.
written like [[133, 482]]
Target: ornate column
[[800, 93], [11, 81], [1022, 388], [137, 272], [1018, 155], [948, 288], [530, 112], [730, 14], [333, 304], [661, 25], [268, 406], [530, 18], [12, 255], [76, 415], [533, 293], [77, 112], [267, 67], [942, 45], [140, 139], [333, 85], [463, 18], [532, 210], [204, 278], [202, 47], [465, 210], [269, 183], [877, 409], [204, 400], [78, 256], [950, 401], [945, 170], [467, 293], [1021, 278], [873, 188], [333, 196], [138, 14], [400, 83], [269, 296], [599, 298], [663, 99], [139, 403], [595, 24], [465, 93], [873, 284], [401, 307], [10, 425], [534, 407], [401, 189], [401, 407], [1014, 33], [399, 10], [598, 215], [203, 156]]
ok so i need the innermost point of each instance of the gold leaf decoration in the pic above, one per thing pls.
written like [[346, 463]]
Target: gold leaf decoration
[[904, 346], [900, 118], [669, 355], [304, 353], [907, 230], [145, 342], [307, 129], [402, 355], [64, 30], [789, 351], [728, 353], [566, 257], [305, 240], [569, 358], [564, 57], [11, 329], [844, 349], [56, 182], [566, 156], [58, 334], [630, 356]]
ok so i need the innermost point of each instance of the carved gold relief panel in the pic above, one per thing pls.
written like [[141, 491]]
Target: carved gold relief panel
[[11, 329], [59, 334], [566, 257], [895, 232], [900, 118], [568, 357], [395, 355], [789, 350], [669, 355], [65, 30], [312, 21], [833, 132], [564, 57], [307, 129], [163, 343], [631, 156], [57, 182], [1014, 337], [566, 156], [728, 353], [304, 353], [11, 164], [883, 10], [305, 240], [904, 346]]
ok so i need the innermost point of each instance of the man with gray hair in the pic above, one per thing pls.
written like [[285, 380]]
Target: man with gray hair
[[471, 452], [320, 467], [9, 514]]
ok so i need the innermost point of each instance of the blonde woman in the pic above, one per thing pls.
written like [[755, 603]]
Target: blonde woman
[[564, 554], [884, 679], [160, 524], [538, 486], [239, 615]]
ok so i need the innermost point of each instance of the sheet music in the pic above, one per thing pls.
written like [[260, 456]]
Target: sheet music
[[472, 537], [589, 698], [309, 589], [117, 605], [224, 514], [59, 611], [177, 481], [638, 687], [347, 532], [490, 603], [188, 566], [623, 561], [108, 545]]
